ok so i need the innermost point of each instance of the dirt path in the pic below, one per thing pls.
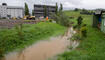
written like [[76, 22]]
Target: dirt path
[[43, 49]]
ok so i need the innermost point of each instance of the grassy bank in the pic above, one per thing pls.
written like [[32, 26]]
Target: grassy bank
[[10, 41], [90, 48]]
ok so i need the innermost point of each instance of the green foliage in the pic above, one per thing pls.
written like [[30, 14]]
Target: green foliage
[[45, 11], [62, 19], [76, 9], [76, 37], [1, 52], [90, 48], [51, 20], [12, 39], [32, 12], [56, 11], [83, 31], [26, 9], [79, 20], [61, 8], [20, 32], [84, 10]]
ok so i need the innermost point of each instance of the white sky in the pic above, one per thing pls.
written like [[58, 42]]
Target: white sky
[[87, 4]]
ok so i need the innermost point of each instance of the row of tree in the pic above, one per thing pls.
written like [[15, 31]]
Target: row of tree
[[58, 10], [60, 17]]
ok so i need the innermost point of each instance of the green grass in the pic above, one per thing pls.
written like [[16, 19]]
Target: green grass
[[90, 48], [75, 14], [9, 39]]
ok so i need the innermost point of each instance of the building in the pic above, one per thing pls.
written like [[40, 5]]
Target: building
[[11, 11], [99, 20], [39, 10]]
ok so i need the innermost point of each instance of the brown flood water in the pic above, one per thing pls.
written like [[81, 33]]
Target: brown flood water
[[43, 49]]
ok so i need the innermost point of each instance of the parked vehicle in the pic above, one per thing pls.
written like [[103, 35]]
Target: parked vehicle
[[29, 17]]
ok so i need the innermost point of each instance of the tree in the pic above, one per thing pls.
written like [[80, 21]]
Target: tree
[[45, 11], [32, 12], [84, 10], [61, 8], [56, 11], [76, 9], [26, 9], [62, 19]]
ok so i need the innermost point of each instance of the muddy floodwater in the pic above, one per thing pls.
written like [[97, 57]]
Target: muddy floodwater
[[42, 50]]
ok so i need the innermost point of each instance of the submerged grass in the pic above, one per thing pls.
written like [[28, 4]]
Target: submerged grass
[[9, 39], [90, 48]]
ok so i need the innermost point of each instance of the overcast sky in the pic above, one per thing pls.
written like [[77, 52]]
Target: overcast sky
[[87, 4]]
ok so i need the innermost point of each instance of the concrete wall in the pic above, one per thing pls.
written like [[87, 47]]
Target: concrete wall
[[13, 12]]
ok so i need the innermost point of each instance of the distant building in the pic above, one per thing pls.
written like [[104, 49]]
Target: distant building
[[11, 11], [39, 10]]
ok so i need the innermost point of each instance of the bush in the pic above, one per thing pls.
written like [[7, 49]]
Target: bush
[[79, 20], [50, 20], [61, 19], [83, 31], [19, 31], [76, 9], [76, 37], [74, 27], [1, 53]]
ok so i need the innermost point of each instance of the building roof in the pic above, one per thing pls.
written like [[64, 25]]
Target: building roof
[[44, 5], [13, 7]]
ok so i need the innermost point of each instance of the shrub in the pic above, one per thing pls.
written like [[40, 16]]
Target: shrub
[[61, 19], [79, 20], [50, 20], [1, 53], [19, 31], [74, 27], [83, 31], [76, 9], [76, 37]]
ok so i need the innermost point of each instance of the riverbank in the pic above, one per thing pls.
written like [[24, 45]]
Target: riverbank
[[31, 33], [90, 48], [44, 49]]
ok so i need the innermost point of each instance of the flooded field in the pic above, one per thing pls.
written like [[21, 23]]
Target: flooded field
[[43, 49]]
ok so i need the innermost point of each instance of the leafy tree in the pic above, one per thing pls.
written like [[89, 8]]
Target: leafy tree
[[62, 19], [84, 10], [61, 8], [45, 11], [26, 9], [76, 9], [56, 11]]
